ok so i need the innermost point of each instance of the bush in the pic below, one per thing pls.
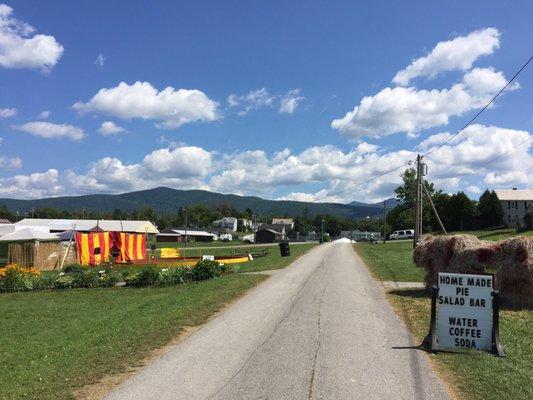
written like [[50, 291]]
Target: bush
[[64, 281], [205, 269], [147, 276], [15, 277]]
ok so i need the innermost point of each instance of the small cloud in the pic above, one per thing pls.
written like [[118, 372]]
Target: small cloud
[[8, 112], [10, 163], [100, 60], [44, 114], [49, 130], [290, 101], [109, 128]]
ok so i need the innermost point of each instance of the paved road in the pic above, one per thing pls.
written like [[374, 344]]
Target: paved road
[[319, 329]]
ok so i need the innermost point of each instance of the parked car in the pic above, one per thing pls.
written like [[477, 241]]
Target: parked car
[[226, 237], [405, 234], [248, 238]]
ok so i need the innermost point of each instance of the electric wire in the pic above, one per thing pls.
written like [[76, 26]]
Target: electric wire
[[440, 145]]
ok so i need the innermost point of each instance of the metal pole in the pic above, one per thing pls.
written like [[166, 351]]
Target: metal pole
[[186, 227], [384, 221], [418, 208]]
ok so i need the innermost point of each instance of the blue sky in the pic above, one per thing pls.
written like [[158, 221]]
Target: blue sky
[[261, 96]]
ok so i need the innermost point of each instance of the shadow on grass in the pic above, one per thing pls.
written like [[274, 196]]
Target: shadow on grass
[[416, 293]]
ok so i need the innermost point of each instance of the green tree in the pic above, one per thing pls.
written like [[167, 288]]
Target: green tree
[[489, 209]]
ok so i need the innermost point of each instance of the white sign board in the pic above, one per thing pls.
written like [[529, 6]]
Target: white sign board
[[464, 311], [210, 258]]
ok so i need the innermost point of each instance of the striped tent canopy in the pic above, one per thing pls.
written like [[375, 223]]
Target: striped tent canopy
[[94, 248]]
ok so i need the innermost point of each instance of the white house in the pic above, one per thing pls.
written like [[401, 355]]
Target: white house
[[515, 204], [288, 222], [229, 223]]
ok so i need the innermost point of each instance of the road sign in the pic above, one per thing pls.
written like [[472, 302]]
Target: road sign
[[464, 313], [208, 257]]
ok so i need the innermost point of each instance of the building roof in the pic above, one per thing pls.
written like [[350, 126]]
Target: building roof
[[88, 224], [275, 228], [519, 195], [27, 235], [282, 221], [181, 232]]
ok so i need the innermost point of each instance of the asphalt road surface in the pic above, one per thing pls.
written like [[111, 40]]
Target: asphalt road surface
[[319, 329]]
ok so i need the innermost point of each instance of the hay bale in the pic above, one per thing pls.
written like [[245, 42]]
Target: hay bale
[[510, 260]]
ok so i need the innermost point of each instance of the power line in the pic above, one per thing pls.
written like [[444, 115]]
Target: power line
[[506, 152], [480, 111], [363, 182], [440, 145]]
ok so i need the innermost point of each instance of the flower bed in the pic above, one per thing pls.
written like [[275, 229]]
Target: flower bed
[[17, 278]]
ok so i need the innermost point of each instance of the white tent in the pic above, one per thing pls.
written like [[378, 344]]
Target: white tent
[[28, 235]]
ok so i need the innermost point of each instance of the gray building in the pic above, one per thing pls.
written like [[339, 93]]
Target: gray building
[[515, 204]]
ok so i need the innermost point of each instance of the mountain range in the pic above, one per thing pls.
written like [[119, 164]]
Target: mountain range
[[167, 200]]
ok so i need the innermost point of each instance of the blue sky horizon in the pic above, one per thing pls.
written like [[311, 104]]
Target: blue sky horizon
[[275, 99]]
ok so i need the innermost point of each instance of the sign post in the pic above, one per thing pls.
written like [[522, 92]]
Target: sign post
[[464, 314]]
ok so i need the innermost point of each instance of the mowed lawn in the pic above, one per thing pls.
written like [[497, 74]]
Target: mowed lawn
[[473, 375], [54, 342], [391, 261], [274, 259]]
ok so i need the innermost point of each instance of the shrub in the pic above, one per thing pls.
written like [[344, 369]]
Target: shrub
[[15, 277], [147, 276], [64, 280], [205, 269]]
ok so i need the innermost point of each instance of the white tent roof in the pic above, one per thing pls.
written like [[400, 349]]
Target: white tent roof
[[189, 232], [28, 234], [88, 224]]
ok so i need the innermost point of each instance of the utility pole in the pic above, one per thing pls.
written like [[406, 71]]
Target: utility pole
[[384, 221], [420, 172], [322, 229], [186, 227]]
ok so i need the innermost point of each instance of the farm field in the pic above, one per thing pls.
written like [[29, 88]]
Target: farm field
[[472, 375]]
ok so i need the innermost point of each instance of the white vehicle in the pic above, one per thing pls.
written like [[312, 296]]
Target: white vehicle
[[226, 237], [405, 234], [248, 238]]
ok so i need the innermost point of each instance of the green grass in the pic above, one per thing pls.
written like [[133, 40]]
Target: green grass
[[274, 259], [391, 261], [218, 243], [54, 342], [476, 375]]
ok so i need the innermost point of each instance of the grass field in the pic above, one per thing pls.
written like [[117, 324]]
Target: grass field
[[472, 375], [391, 261], [218, 243], [477, 375], [274, 260], [496, 234], [53, 342]]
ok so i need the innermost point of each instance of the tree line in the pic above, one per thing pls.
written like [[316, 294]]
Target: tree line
[[457, 211]]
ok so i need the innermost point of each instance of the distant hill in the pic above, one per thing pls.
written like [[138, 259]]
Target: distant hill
[[391, 203], [166, 200]]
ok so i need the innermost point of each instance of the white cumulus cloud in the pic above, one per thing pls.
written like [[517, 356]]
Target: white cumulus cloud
[[22, 47], [171, 107], [453, 55], [49, 130], [407, 109], [109, 128]]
